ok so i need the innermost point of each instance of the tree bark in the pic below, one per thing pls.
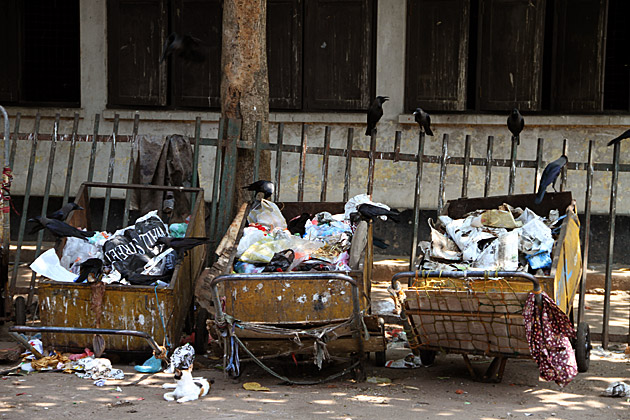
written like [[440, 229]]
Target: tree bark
[[245, 84]]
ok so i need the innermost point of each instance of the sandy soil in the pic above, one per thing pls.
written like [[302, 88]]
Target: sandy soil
[[443, 390]]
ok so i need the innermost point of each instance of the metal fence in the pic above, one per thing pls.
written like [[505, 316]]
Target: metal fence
[[222, 194]]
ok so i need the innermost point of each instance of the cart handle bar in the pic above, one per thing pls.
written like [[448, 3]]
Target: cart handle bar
[[467, 274], [105, 331]]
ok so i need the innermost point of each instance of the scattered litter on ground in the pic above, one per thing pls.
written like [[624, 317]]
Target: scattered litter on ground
[[254, 386], [617, 389], [378, 380]]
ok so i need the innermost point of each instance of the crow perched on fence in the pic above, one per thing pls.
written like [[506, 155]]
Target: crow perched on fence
[[61, 229], [181, 245], [61, 214], [424, 120], [515, 122], [92, 266], [549, 176], [186, 47], [261, 186], [374, 113], [624, 135]]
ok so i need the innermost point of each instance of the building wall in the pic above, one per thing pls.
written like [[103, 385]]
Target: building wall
[[395, 181]]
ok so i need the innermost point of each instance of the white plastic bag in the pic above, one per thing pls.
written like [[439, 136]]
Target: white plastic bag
[[251, 235], [77, 251], [267, 214]]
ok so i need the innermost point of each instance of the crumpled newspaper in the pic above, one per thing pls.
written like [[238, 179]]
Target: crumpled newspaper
[[617, 389], [97, 368]]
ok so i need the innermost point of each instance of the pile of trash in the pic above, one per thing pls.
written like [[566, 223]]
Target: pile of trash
[[129, 256], [506, 238], [319, 242]]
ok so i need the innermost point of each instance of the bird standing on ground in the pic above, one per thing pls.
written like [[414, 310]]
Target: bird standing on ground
[[261, 186], [61, 214], [181, 245], [549, 176], [515, 122], [92, 266], [61, 229], [369, 212], [424, 120], [374, 113], [624, 135], [186, 47]]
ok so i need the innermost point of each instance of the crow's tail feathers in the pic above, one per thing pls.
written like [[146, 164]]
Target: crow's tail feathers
[[429, 132]]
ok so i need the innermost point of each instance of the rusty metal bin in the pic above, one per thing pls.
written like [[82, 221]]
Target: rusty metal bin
[[139, 308]]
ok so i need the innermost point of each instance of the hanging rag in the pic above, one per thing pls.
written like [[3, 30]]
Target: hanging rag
[[548, 331], [162, 161]]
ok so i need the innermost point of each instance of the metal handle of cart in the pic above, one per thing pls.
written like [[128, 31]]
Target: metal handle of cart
[[71, 330], [220, 316]]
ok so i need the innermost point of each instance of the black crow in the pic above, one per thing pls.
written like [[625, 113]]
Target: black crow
[[515, 122], [92, 266], [374, 113], [61, 229], [61, 214], [145, 279], [424, 120], [186, 47], [297, 224], [625, 135], [181, 245], [549, 176], [370, 212], [261, 186]]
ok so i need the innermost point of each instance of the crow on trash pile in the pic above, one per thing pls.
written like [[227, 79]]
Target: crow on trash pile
[[61, 229], [424, 120], [61, 214], [261, 186], [549, 176], [181, 245], [374, 113], [369, 212], [92, 266]]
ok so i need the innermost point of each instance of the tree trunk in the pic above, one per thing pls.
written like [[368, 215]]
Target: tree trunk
[[245, 85]]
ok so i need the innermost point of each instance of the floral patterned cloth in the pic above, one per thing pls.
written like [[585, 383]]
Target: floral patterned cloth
[[548, 331]]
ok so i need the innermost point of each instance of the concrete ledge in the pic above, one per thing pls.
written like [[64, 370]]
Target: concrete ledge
[[600, 120]]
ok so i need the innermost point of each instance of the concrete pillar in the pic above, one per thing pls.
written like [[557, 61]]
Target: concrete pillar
[[93, 17], [390, 55]]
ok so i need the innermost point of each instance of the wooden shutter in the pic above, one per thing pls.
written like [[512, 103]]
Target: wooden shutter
[[198, 84], [136, 32], [579, 46], [284, 53], [437, 54], [338, 54], [9, 51], [509, 62]]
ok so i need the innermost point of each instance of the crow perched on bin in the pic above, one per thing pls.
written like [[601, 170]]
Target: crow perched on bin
[[624, 135], [369, 212], [92, 266], [186, 47], [424, 120], [515, 122], [261, 186], [549, 176], [61, 229], [181, 245], [374, 113], [61, 214]]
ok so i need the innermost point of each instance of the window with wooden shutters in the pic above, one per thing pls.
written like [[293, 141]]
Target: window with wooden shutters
[[198, 84], [509, 60], [284, 53], [437, 54], [338, 54], [136, 32], [578, 79]]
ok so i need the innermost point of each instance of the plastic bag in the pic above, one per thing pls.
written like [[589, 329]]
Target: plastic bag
[[267, 214], [263, 250], [251, 235], [138, 239], [352, 204], [77, 251], [177, 230]]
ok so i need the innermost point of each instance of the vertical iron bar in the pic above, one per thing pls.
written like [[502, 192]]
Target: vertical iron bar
[[16, 131], [303, 148], [563, 178], [226, 203], [397, 140], [279, 142], [49, 176], [466, 168], [611, 245], [513, 165], [27, 196], [257, 150], [322, 196], [486, 188], [128, 193], [587, 229], [371, 164], [443, 163], [90, 176], [69, 169], [539, 163], [347, 177], [195, 175], [110, 173], [416, 201], [215, 191]]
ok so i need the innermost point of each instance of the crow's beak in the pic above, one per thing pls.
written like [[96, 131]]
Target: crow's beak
[[415, 112]]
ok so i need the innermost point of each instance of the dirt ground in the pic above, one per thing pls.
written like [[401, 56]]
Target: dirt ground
[[444, 390]]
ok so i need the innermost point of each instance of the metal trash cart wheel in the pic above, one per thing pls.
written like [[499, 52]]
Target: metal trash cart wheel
[[583, 347]]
